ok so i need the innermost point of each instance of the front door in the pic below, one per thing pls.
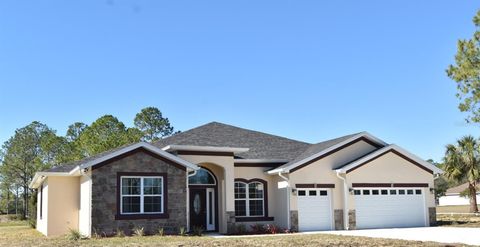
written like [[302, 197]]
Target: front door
[[198, 208]]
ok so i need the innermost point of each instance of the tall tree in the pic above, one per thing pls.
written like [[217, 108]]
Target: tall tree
[[462, 161], [153, 125], [28, 151], [466, 73], [75, 130], [106, 133]]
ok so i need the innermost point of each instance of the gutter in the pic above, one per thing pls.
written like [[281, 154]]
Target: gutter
[[345, 201], [288, 198]]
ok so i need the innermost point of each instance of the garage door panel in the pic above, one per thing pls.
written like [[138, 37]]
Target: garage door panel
[[314, 211], [392, 210]]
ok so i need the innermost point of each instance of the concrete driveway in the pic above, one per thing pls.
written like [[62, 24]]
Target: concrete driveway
[[464, 235]]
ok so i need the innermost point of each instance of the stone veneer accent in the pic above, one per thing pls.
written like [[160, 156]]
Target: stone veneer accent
[[352, 220], [432, 216], [104, 194], [338, 219], [294, 220], [231, 226]]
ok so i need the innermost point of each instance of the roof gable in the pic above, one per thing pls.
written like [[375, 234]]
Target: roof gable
[[321, 150], [402, 153]]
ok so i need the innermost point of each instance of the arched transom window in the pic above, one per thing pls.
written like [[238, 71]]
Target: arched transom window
[[202, 177], [249, 199]]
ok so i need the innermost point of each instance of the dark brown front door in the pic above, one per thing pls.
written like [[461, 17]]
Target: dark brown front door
[[198, 210]]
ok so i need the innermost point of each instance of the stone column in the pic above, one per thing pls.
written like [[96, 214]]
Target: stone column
[[432, 216], [338, 219], [352, 219], [294, 220]]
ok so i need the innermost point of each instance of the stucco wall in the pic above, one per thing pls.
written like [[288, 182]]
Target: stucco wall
[[455, 200], [222, 167], [391, 168], [85, 207], [321, 172], [259, 172], [42, 222], [63, 204], [104, 195]]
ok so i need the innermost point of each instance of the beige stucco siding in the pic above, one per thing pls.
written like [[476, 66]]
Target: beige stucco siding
[[322, 171], [222, 167], [391, 168], [63, 204], [42, 198], [259, 172], [84, 221]]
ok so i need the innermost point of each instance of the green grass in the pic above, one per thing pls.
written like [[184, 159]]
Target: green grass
[[22, 235]]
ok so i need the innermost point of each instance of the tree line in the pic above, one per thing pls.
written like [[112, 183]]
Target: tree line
[[37, 147], [462, 159]]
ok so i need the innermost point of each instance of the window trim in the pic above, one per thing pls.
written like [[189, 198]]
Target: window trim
[[133, 216], [141, 195], [265, 216], [41, 201]]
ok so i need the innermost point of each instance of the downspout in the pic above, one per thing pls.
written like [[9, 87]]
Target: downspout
[[288, 198], [345, 201]]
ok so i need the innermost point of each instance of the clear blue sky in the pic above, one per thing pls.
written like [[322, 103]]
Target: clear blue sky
[[308, 70]]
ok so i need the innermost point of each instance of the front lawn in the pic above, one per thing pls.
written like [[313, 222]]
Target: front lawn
[[20, 234], [457, 220]]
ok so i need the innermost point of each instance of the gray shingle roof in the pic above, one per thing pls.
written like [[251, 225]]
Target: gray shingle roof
[[67, 167], [317, 148], [459, 189], [261, 145]]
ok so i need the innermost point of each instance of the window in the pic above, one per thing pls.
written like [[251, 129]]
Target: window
[[366, 192], [374, 192], [312, 193], [393, 192], [201, 177], [323, 193], [356, 192], [41, 201], [249, 199], [401, 192], [418, 192], [141, 195], [384, 192], [410, 192], [301, 193]]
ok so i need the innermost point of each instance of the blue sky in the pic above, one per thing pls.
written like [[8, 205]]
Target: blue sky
[[307, 70]]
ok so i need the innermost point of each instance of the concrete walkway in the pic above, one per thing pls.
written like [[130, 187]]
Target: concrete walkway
[[463, 235]]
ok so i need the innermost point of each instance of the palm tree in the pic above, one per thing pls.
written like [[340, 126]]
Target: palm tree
[[462, 162]]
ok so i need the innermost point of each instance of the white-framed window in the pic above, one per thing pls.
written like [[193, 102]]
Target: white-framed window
[[249, 199], [141, 195]]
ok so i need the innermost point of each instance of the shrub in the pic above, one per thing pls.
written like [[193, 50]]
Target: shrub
[[161, 231], [14, 217], [119, 233], [240, 229], [272, 229], [197, 230], [258, 228], [182, 231], [138, 231], [32, 222], [74, 235]]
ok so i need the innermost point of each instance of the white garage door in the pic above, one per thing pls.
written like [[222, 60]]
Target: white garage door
[[314, 209], [389, 207]]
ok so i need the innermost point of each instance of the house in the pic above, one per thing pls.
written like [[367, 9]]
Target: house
[[452, 196], [218, 176]]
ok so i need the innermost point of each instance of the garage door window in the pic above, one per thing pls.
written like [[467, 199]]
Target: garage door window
[[392, 192], [312, 193]]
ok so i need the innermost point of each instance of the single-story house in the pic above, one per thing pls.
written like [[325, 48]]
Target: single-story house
[[452, 196], [218, 176]]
